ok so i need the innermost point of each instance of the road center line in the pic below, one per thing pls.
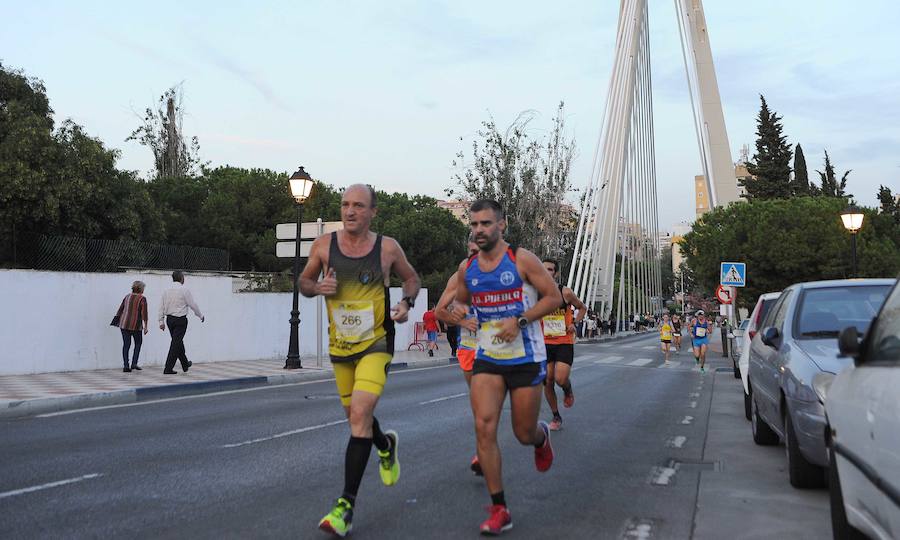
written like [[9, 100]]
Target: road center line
[[445, 398], [676, 442], [693, 404], [640, 362], [608, 360], [663, 475], [22, 491], [285, 434], [687, 420]]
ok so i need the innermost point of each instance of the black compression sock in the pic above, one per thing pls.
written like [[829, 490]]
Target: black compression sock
[[381, 441], [556, 415], [358, 451], [498, 498], [567, 389]]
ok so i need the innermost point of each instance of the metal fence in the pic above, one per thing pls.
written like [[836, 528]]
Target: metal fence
[[62, 253]]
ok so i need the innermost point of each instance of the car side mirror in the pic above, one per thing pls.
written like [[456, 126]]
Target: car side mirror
[[848, 344], [771, 337]]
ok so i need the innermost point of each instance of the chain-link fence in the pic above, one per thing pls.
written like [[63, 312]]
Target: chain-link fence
[[63, 253]]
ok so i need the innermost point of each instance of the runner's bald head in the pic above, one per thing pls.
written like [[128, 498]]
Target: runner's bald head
[[368, 189]]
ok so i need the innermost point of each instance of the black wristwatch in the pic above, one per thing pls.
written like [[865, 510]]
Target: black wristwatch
[[409, 301], [523, 322]]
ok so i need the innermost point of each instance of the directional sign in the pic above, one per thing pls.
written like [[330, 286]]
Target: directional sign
[[723, 294], [733, 274], [286, 249], [308, 231]]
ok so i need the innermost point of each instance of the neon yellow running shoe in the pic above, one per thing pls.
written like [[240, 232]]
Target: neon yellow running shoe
[[339, 521], [389, 466]]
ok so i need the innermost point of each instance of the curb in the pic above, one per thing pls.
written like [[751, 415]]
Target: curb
[[32, 407]]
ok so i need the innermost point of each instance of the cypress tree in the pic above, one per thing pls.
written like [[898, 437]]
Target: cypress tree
[[800, 185], [770, 165]]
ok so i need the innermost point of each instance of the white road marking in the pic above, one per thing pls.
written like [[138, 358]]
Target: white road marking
[[445, 398], [693, 404], [676, 442], [608, 360], [694, 394], [22, 491], [285, 434], [663, 475], [687, 420], [649, 347], [640, 362], [670, 365], [223, 393], [640, 530]]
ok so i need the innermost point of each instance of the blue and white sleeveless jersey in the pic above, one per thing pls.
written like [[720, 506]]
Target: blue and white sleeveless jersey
[[497, 295]]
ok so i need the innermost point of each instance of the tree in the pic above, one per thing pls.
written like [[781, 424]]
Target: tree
[[63, 181], [831, 186], [529, 178], [889, 203], [161, 132], [788, 241], [800, 183], [770, 166]]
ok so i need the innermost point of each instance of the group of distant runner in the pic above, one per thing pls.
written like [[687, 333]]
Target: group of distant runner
[[670, 331]]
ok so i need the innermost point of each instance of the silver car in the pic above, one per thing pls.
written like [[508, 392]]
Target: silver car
[[799, 340]]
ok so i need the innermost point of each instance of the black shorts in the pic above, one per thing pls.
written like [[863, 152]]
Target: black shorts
[[666, 340], [515, 376], [563, 352]]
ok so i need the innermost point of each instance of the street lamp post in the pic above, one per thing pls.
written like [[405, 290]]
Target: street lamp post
[[301, 187], [852, 218]]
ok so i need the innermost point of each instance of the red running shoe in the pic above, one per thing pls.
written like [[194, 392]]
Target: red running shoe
[[499, 521], [476, 467], [543, 456]]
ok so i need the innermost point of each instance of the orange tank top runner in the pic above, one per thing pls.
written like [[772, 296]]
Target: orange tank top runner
[[556, 326]]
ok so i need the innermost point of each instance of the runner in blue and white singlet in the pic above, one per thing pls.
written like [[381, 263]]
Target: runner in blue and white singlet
[[497, 295], [503, 284]]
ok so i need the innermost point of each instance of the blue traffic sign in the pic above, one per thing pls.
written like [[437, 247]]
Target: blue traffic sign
[[733, 274]]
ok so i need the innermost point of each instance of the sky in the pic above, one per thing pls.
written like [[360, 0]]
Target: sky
[[388, 92]]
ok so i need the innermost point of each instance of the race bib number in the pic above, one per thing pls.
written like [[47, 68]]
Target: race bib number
[[555, 325], [496, 348], [354, 321], [701, 331]]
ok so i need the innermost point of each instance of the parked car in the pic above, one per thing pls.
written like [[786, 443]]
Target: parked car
[[757, 316], [797, 342], [862, 407], [736, 342]]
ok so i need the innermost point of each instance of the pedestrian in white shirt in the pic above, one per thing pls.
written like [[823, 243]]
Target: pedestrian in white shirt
[[173, 310]]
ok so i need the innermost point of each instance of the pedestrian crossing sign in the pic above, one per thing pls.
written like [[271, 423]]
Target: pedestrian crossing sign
[[733, 274]]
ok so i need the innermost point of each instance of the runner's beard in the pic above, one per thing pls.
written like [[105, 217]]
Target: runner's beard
[[487, 242]]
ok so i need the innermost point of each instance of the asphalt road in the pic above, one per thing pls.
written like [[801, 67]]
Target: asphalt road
[[269, 462]]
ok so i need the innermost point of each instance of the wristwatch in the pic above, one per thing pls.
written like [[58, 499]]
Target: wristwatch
[[409, 301], [523, 322]]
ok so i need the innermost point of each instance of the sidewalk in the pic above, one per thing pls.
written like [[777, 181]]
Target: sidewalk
[[25, 395]]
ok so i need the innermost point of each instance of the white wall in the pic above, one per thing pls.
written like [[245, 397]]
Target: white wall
[[59, 321]]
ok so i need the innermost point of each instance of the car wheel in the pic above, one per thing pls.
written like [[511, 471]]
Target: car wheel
[[763, 435], [840, 527], [803, 474], [737, 371], [748, 407]]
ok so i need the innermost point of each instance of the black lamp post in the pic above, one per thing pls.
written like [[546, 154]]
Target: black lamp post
[[301, 187], [852, 218]]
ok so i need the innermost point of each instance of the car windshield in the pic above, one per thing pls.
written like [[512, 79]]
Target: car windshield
[[825, 312], [744, 324]]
